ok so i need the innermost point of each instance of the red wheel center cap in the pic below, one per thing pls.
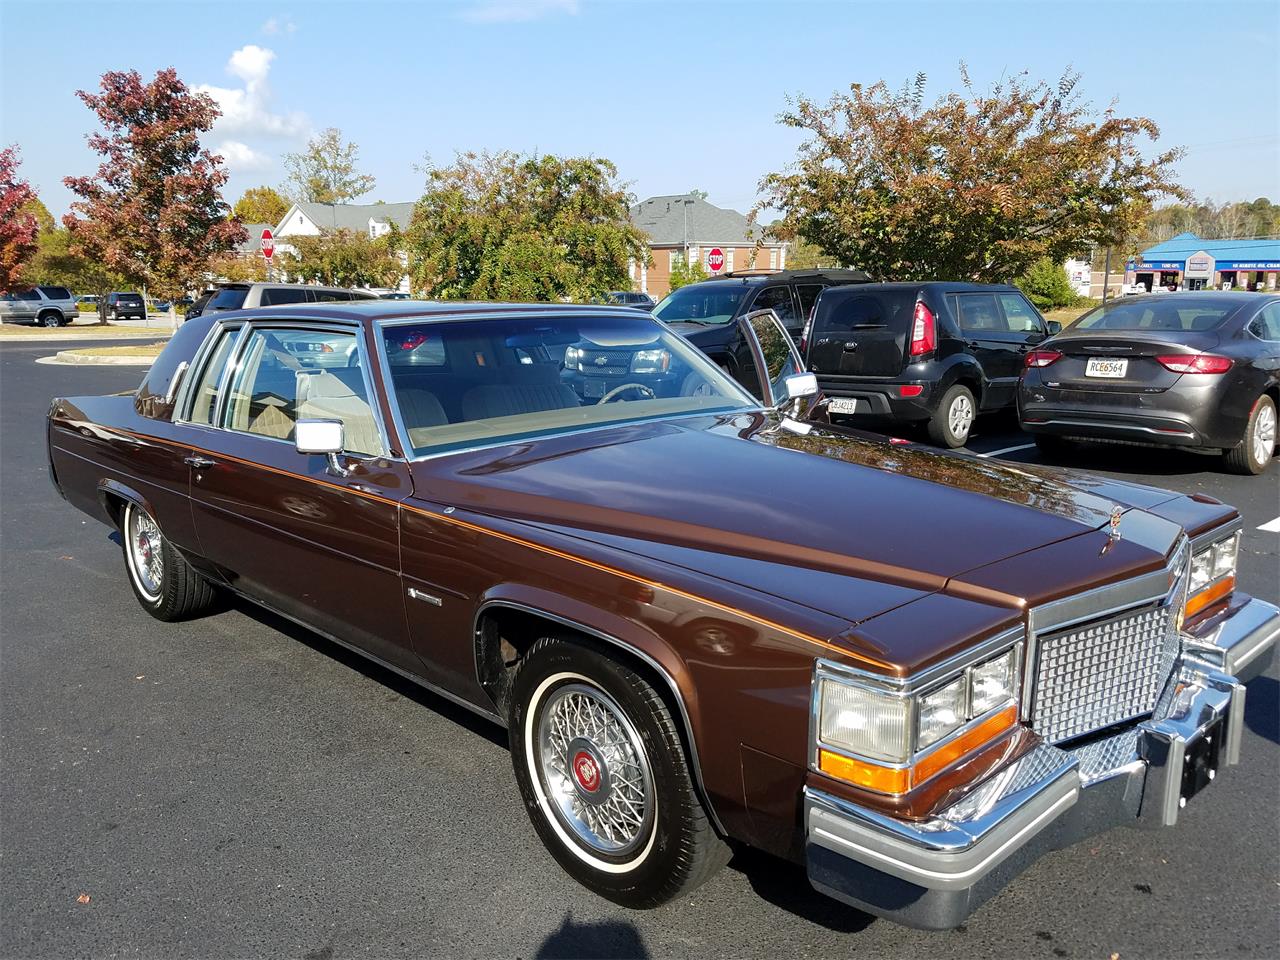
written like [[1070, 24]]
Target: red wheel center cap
[[586, 771]]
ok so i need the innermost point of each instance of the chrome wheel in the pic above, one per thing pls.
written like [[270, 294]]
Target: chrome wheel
[[1264, 433], [146, 556], [960, 416], [594, 771]]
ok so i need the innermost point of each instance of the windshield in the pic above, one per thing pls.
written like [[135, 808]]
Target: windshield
[[1198, 312], [464, 383], [701, 303]]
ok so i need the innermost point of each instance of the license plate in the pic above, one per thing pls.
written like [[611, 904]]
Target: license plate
[[1200, 761], [1106, 367], [842, 405], [592, 387]]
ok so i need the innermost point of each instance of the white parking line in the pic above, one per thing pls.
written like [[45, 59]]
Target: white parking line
[[996, 453], [1272, 526]]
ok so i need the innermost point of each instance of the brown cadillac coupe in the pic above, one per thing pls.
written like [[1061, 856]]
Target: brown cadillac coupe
[[703, 615]]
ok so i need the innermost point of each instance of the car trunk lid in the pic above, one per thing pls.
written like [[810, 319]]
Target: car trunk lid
[[1122, 361]]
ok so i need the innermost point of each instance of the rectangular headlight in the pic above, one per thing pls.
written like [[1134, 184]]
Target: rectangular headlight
[[1213, 574], [650, 361], [992, 683], [865, 721], [941, 712]]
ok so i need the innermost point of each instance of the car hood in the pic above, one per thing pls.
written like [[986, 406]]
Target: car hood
[[846, 523]]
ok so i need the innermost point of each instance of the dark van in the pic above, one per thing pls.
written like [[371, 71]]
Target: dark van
[[932, 353]]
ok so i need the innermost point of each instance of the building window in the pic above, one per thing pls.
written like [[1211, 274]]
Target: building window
[[728, 260], [673, 257], [773, 258]]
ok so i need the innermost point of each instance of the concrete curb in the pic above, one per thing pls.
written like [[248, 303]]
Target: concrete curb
[[75, 357], [161, 333]]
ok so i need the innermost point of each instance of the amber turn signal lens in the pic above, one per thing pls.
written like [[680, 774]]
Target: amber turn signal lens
[[966, 743], [872, 776], [864, 773], [1209, 595]]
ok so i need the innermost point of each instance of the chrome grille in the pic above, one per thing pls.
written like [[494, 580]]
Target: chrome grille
[[1098, 674], [615, 361]]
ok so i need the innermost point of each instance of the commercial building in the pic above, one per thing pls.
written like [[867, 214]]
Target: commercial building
[[1188, 263], [684, 227]]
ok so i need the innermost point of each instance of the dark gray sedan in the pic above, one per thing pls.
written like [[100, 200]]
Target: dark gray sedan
[[1198, 370]]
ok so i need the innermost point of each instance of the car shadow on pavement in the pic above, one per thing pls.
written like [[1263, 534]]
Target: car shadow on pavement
[[1147, 462], [786, 886], [607, 940], [1261, 710], [374, 671]]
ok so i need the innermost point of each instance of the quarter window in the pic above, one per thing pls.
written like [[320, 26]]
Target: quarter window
[[272, 296], [205, 394], [1267, 324], [288, 375]]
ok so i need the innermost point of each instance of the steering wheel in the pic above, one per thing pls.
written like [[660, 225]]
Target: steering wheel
[[648, 394]]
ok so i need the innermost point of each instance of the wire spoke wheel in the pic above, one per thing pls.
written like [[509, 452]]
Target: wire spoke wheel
[[594, 770], [146, 556]]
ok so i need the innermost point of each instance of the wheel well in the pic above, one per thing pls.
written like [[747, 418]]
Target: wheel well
[[115, 505], [503, 636], [966, 378]]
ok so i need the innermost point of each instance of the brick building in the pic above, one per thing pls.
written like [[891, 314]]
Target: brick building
[[684, 226]]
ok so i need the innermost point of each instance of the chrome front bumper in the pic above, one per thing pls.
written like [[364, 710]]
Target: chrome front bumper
[[934, 873]]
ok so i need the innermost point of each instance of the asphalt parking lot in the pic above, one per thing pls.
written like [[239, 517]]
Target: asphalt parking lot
[[237, 786]]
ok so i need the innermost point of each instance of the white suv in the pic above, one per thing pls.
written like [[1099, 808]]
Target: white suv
[[47, 306]]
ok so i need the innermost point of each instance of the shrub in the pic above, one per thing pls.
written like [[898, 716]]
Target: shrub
[[1047, 285]]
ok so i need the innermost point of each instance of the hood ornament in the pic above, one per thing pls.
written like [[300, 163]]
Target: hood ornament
[[1113, 531]]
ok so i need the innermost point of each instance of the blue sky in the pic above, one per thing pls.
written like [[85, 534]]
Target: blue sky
[[678, 95]]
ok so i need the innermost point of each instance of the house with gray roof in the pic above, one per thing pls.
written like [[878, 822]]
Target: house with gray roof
[[314, 219], [684, 227]]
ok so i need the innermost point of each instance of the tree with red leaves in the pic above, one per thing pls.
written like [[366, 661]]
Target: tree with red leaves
[[18, 226], [153, 211]]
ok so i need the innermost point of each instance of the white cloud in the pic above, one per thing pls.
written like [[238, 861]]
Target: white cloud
[[242, 158], [278, 25], [246, 110], [517, 11]]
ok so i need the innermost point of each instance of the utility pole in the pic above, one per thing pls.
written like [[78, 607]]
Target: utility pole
[[687, 202], [1106, 275]]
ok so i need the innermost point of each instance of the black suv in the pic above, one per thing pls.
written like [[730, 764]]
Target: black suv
[[937, 353], [123, 306], [704, 314]]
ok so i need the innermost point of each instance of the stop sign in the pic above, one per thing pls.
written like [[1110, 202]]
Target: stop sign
[[715, 259], [268, 244]]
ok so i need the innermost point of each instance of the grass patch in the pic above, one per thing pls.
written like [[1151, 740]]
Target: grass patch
[[126, 350], [1068, 315], [73, 330]]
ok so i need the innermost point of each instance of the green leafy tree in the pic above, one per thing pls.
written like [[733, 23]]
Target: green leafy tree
[[153, 211], [976, 186], [683, 274], [503, 226], [325, 172], [1047, 285], [57, 262], [261, 205], [239, 267], [809, 256], [346, 258]]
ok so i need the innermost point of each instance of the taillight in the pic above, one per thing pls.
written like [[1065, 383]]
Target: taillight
[[1196, 363], [924, 333], [1042, 358]]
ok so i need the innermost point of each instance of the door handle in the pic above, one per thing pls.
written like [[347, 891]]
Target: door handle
[[200, 463]]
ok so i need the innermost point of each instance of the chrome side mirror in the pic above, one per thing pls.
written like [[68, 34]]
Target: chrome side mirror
[[801, 385], [321, 436]]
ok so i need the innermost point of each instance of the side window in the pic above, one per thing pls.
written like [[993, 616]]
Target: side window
[[204, 398], [979, 314], [1020, 315], [1267, 324], [328, 296], [272, 296], [29, 295], [290, 375], [808, 294], [778, 299]]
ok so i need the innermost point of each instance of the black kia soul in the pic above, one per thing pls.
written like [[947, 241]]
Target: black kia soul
[[937, 353]]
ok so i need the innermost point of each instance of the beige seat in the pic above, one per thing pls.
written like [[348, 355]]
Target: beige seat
[[322, 396]]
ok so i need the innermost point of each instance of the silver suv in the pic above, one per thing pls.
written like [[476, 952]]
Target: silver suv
[[243, 296], [47, 306]]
